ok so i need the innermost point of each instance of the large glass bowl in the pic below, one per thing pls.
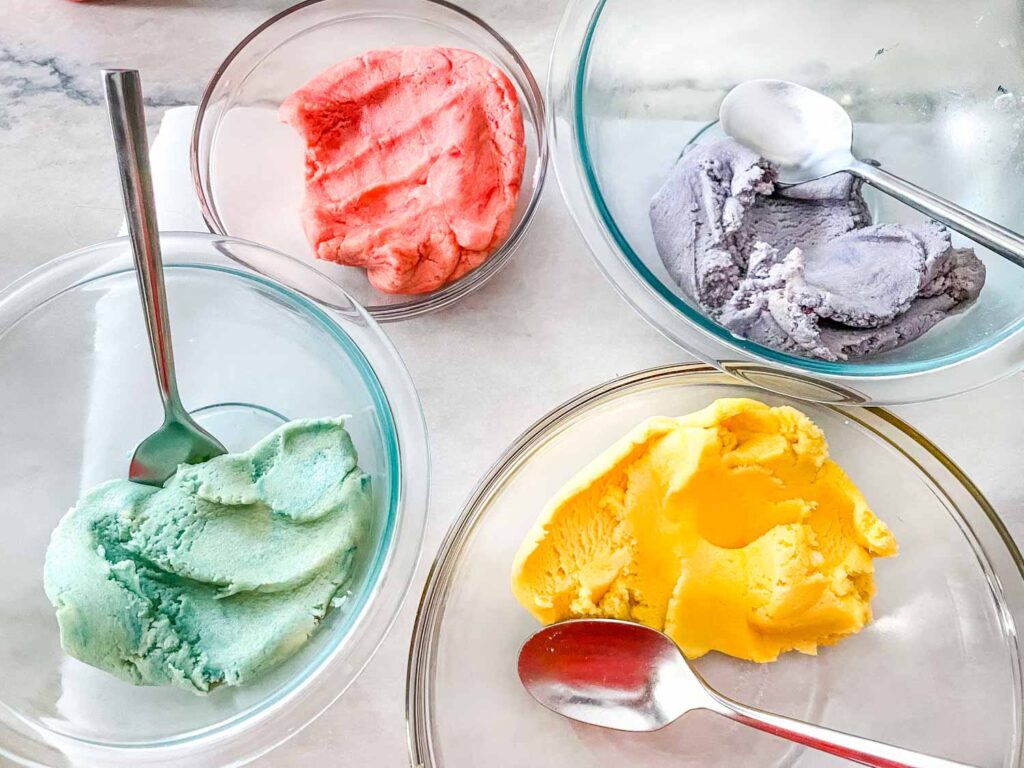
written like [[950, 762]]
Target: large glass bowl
[[936, 93], [939, 669], [78, 393], [248, 166]]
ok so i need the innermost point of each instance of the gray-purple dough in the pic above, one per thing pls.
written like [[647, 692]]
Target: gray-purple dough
[[801, 268]]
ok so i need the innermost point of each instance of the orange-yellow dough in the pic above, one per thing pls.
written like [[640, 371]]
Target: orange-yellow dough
[[729, 529]]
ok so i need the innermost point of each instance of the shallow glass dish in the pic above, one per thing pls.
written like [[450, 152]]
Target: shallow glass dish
[[248, 166], [938, 670], [936, 93], [78, 393]]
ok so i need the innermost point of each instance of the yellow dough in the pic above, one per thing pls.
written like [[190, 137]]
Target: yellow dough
[[730, 529]]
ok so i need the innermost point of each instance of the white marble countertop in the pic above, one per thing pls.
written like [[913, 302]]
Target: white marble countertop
[[562, 327]]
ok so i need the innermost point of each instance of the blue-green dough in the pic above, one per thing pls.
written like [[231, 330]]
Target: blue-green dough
[[221, 574]]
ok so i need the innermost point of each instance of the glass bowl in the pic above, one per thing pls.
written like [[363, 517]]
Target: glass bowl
[[939, 670], [248, 166], [936, 93], [79, 393]]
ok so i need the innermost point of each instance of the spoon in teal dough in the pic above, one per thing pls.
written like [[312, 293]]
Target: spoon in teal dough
[[807, 136], [179, 440]]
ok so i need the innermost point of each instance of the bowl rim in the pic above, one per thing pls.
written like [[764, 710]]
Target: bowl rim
[[325, 677], [660, 306], [448, 294], [419, 706]]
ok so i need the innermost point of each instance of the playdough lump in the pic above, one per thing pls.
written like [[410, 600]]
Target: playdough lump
[[801, 268], [223, 572], [414, 161], [729, 529]]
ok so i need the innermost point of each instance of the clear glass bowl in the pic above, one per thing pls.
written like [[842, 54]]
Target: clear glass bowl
[[78, 394], [936, 92], [939, 669], [248, 166]]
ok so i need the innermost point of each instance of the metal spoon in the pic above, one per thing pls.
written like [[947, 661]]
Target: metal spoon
[[626, 676], [180, 440], [808, 136]]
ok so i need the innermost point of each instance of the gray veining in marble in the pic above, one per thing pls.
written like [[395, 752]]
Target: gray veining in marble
[[562, 327]]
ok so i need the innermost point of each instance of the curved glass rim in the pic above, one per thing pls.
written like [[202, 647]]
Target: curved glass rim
[[632, 259], [385, 550], [446, 295], [423, 644]]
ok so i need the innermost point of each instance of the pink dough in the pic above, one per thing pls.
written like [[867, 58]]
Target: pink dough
[[414, 161]]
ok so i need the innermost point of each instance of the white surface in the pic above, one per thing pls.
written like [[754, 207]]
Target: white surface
[[547, 327]]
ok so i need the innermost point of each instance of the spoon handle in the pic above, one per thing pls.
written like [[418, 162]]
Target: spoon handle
[[999, 239], [844, 745], [123, 90]]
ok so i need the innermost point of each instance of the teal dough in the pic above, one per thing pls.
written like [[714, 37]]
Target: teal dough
[[221, 574]]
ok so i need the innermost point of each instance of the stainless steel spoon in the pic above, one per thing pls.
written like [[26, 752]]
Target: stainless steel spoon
[[180, 440], [808, 136], [626, 676]]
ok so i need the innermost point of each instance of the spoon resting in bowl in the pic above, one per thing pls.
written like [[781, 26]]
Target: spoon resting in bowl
[[808, 136], [626, 676], [179, 440]]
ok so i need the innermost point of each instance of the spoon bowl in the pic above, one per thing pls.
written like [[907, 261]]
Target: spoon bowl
[[179, 441], [804, 133], [626, 676], [609, 673]]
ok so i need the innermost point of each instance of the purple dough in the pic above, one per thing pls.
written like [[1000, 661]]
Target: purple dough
[[699, 215], [801, 268]]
